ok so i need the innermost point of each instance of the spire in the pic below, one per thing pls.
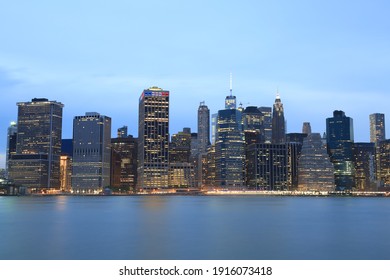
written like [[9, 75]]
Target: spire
[[231, 84], [277, 93]]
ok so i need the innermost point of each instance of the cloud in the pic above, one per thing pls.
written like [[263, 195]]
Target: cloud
[[7, 80]]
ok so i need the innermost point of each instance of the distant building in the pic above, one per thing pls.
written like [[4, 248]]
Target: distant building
[[365, 165], [65, 173], [340, 138], [91, 153], [267, 123], [153, 141], [124, 162], [278, 122], [230, 149], [384, 158], [180, 147], [377, 128], [315, 171], [252, 120], [214, 118], [122, 132], [271, 166], [36, 162], [11, 145], [306, 128], [203, 127]]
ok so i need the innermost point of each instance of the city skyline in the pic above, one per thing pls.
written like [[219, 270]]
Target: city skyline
[[97, 57]]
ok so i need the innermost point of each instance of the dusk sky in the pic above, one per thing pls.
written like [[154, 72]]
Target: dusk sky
[[98, 56]]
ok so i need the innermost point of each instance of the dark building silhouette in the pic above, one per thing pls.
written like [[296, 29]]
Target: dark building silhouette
[[365, 166], [278, 122], [340, 138], [124, 163], [11, 145]]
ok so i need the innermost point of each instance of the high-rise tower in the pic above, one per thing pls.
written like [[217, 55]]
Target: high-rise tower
[[203, 127], [278, 122], [91, 153], [153, 139], [377, 128], [339, 133], [36, 163], [230, 100]]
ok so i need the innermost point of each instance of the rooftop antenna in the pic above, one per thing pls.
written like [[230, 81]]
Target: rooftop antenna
[[231, 84]]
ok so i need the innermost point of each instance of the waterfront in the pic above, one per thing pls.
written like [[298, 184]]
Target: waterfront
[[194, 227]]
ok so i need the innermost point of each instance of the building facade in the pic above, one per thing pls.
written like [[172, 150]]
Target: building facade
[[365, 166], [11, 145], [36, 162], [230, 150], [124, 163], [153, 137], [91, 153], [340, 139], [315, 170], [377, 128]]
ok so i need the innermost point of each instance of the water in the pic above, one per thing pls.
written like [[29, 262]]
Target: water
[[194, 227]]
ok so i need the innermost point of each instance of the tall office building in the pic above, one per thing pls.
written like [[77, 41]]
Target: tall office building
[[377, 128], [340, 138], [180, 147], [203, 127], [267, 123], [268, 166], [36, 162], [11, 145], [124, 162], [365, 166], [91, 153], [384, 158], [230, 149], [153, 137], [252, 120], [315, 171], [278, 122]]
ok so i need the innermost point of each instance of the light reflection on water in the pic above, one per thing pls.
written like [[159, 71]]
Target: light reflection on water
[[194, 227]]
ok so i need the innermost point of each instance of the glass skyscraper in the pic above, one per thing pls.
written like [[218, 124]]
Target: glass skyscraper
[[229, 149], [377, 128], [339, 140], [153, 139]]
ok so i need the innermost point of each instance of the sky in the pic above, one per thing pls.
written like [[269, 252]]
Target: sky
[[98, 56]]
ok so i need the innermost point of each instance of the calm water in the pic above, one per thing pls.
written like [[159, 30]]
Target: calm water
[[181, 227]]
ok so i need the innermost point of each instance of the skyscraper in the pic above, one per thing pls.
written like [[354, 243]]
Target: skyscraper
[[377, 128], [11, 145], [153, 137], [122, 132], [340, 138], [36, 162], [125, 150], [230, 100], [278, 122], [230, 149], [365, 166], [315, 171], [203, 127], [267, 123], [91, 153], [253, 125]]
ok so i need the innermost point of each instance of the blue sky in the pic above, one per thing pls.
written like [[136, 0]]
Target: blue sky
[[100, 55]]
